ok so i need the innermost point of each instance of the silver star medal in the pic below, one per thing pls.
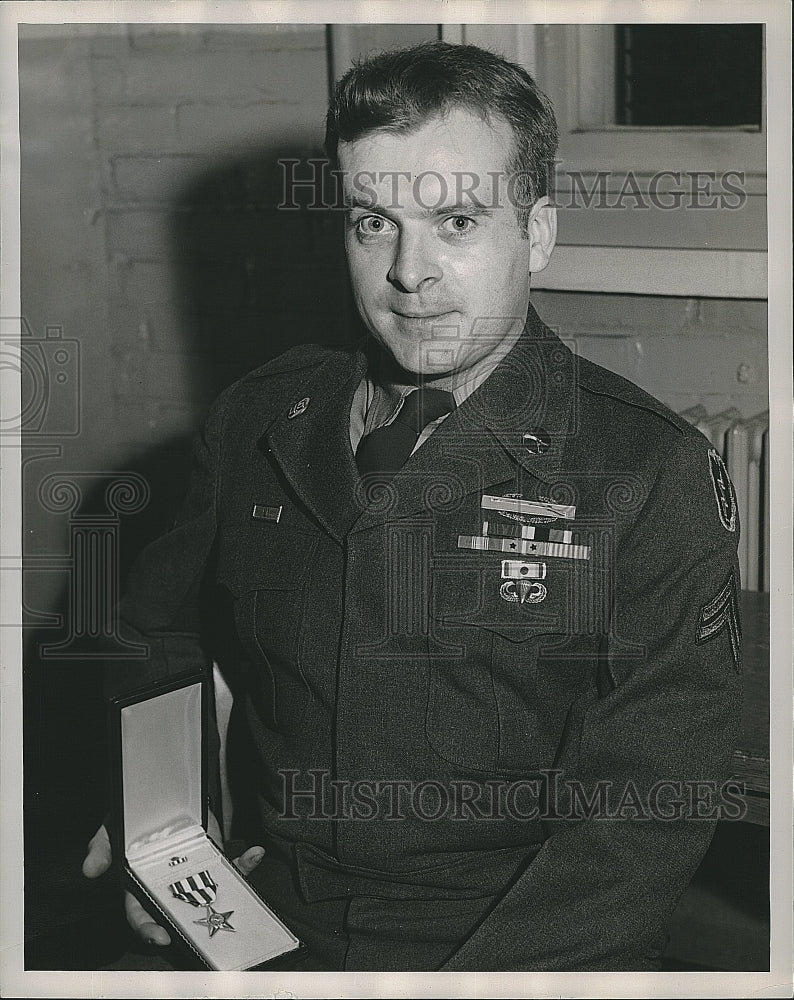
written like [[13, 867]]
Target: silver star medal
[[216, 921], [201, 890]]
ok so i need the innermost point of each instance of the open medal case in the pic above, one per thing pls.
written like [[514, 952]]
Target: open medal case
[[160, 832]]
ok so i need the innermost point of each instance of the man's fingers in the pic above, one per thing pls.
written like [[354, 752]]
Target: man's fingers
[[98, 856], [98, 859], [249, 859], [96, 863], [143, 925]]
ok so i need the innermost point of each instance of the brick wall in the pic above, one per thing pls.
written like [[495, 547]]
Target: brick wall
[[684, 351], [151, 235]]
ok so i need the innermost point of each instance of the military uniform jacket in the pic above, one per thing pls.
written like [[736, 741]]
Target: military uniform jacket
[[520, 772]]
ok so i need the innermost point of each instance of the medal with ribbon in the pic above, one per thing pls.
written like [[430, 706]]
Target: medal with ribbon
[[201, 890]]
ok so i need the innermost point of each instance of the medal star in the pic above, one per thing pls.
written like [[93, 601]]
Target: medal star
[[215, 921]]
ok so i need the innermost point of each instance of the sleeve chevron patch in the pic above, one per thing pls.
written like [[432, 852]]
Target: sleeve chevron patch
[[723, 613]]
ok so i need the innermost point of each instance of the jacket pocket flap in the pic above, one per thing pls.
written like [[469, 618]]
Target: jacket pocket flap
[[562, 601]]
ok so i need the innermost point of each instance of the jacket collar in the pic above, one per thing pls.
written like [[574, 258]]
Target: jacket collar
[[483, 442], [527, 401], [478, 445]]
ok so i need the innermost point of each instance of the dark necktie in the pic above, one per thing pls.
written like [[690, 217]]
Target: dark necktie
[[386, 449]]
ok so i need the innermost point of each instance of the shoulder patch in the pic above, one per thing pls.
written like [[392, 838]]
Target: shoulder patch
[[723, 613], [724, 492]]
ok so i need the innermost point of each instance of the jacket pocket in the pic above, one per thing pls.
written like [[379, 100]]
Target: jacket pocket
[[488, 709], [267, 572]]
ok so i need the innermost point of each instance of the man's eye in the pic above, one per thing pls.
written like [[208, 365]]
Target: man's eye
[[459, 225], [373, 225]]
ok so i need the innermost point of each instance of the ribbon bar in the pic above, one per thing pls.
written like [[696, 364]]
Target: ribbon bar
[[541, 532], [523, 547], [515, 569]]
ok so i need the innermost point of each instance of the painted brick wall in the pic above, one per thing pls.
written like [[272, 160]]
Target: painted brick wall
[[151, 235], [684, 351], [199, 275]]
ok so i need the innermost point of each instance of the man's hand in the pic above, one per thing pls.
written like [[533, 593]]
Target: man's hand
[[98, 859], [96, 863]]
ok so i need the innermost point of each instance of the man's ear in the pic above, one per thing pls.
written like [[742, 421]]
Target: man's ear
[[542, 233]]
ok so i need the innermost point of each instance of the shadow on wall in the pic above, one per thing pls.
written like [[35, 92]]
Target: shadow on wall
[[260, 264], [253, 279]]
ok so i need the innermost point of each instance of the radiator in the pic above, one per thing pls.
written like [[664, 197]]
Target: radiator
[[743, 443]]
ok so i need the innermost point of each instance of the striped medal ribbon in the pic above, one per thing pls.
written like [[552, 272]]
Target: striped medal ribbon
[[198, 890], [201, 890]]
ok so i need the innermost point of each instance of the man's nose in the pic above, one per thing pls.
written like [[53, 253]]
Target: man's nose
[[415, 265]]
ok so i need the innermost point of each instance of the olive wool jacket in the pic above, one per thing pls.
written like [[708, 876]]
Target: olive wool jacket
[[463, 746]]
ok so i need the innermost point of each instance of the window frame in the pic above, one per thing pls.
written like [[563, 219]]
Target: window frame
[[661, 254]]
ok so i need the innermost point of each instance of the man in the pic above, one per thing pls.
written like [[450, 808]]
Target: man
[[485, 591]]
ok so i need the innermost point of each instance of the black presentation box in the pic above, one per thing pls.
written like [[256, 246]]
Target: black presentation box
[[159, 830]]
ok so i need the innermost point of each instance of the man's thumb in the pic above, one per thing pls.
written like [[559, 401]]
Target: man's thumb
[[98, 858], [249, 859]]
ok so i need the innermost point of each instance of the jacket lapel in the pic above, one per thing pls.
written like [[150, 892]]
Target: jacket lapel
[[312, 446]]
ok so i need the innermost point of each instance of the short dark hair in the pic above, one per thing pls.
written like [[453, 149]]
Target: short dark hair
[[401, 89]]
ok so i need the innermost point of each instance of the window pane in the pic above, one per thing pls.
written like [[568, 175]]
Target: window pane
[[689, 74]]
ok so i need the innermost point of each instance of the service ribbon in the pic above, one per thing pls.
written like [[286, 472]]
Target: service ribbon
[[198, 890]]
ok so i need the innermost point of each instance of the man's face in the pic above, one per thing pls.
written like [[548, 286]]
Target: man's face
[[439, 266]]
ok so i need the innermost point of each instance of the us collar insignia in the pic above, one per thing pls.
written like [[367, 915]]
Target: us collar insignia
[[297, 408], [536, 442]]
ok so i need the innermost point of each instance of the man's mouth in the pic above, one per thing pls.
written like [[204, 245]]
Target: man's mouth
[[421, 315]]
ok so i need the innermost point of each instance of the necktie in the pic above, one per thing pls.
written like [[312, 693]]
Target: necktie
[[386, 449]]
